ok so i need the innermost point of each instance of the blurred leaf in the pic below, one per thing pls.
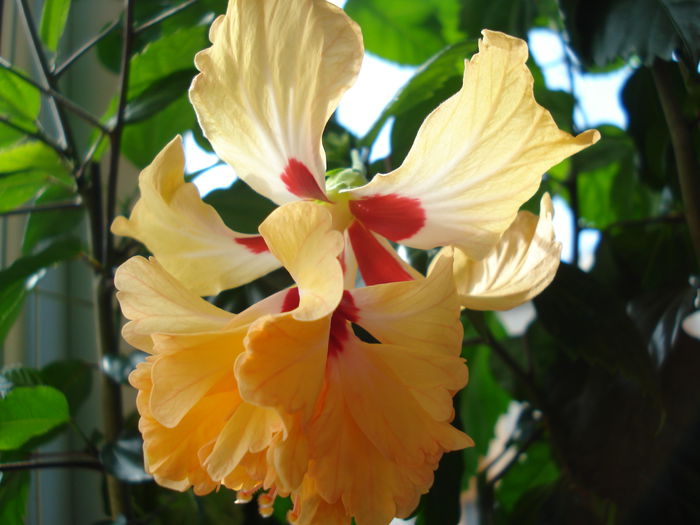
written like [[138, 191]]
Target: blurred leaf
[[439, 77], [23, 274], [124, 459], [403, 32], [241, 208], [45, 225], [26, 412], [592, 323], [513, 17], [158, 95], [53, 20], [72, 377], [603, 30], [482, 402], [118, 367], [14, 491], [536, 468], [22, 376], [19, 100]]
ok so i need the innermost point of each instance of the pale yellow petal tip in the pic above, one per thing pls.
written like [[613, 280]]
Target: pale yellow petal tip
[[121, 226]]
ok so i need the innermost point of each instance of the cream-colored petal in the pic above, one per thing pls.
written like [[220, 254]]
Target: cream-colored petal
[[518, 268], [155, 302], [476, 159], [269, 84], [186, 235], [300, 235]]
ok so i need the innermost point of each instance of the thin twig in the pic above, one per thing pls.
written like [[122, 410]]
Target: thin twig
[[62, 121], [73, 57], [164, 15], [34, 134], [48, 207], [516, 457], [58, 97], [33, 465]]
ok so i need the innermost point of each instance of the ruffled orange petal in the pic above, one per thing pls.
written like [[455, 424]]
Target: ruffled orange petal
[[269, 84], [476, 159], [186, 235]]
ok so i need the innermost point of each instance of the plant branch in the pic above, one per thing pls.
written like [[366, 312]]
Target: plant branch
[[62, 121], [48, 207], [75, 56], [163, 16], [38, 464], [34, 134], [58, 98], [681, 139]]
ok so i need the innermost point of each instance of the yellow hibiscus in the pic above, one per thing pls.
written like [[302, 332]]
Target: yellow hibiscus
[[266, 88], [285, 396]]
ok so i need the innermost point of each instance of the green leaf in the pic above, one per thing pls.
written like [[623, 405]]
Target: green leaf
[[158, 95], [19, 100], [23, 274], [603, 30], [53, 21], [514, 17], [71, 377], [27, 168], [27, 412], [14, 491], [124, 459], [439, 77], [403, 32], [241, 208], [45, 225], [142, 141], [22, 376]]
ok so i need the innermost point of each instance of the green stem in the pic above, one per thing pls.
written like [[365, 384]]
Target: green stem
[[36, 135], [164, 16], [681, 139], [48, 207], [34, 465], [68, 62]]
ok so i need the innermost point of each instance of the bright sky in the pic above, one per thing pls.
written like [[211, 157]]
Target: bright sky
[[379, 81]]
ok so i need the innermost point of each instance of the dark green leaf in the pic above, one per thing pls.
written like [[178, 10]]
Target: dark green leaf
[[441, 73], [404, 32], [72, 377], [19, 100], [22, 376], [124, 459], [45, 225], [592, 323], [158, 95], [143, 140], [14, 491], [27, 412], [603, 30], [240, 207], [119, 367], [510, 16], [53, 20]]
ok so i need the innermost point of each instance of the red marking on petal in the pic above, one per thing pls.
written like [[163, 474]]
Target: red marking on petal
[[393, 216], [345, 313], [376, 263], [291, 300], [254, 244], [301, 182]]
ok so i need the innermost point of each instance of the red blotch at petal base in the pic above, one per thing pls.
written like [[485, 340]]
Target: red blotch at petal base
[[376, 263], [301, 182], [393, 216], [254, 244]]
